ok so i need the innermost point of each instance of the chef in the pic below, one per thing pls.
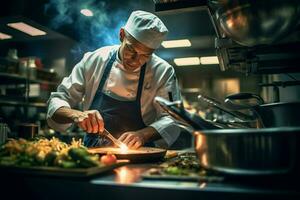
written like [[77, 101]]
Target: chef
[[116, 86]]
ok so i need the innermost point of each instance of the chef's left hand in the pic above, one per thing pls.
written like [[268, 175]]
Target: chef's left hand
[[132, 139]]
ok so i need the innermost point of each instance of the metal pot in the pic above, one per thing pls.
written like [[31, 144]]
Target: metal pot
[[270, 115], [249, 151], [253, 23]]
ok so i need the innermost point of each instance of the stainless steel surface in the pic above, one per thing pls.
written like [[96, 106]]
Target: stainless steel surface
[[249, 151], [113, 139], [253, 23]]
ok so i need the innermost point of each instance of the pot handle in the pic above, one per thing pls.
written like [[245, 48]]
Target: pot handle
[[231, 101]]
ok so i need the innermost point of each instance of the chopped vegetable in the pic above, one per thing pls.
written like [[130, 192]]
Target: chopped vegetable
[[45, 152]]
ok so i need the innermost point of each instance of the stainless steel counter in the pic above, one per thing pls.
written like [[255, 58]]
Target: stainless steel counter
[[126, 183]]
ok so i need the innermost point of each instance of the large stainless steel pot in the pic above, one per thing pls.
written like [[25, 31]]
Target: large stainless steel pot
[[249, 152]]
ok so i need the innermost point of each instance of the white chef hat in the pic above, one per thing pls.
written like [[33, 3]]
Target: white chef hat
[[146, 28]]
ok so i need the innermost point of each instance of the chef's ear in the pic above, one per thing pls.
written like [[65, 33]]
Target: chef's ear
[[122, 34]]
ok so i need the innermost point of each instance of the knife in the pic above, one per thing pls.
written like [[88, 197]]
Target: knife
[[113, 139]]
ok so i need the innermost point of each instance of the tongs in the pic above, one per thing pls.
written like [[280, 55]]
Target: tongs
[[113, 139]]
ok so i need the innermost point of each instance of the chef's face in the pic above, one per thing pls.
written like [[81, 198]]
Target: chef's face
[[133, 53]]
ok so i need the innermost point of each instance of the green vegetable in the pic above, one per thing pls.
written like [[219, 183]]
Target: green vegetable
[[67, 164], [50, 158], [83, 157]]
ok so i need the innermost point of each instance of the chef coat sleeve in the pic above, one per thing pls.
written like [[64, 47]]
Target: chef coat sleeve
[[69, 93], [165, 125]]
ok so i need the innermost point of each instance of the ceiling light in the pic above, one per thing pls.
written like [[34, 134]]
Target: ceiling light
[[187, 61], [30, 30], [176, 43], [87, 12], [209, 60], [4, 36]]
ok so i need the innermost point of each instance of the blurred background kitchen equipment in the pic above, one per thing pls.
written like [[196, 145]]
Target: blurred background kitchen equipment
[[27, 130], [230, 116], [277, 114], [192, 119], [4, 131], [251, 23], [249, 151], [176, 110]]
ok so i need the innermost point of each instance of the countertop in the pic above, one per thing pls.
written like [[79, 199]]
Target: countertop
[[126, 182]]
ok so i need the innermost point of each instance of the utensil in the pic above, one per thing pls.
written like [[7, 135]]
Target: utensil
[[268, 151], [113, 139]]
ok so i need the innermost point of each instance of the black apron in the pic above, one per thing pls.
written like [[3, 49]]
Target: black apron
[[118, 116]]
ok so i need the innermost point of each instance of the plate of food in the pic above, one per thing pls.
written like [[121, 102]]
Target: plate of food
[[54, 157], [142, 154], [183, 167]]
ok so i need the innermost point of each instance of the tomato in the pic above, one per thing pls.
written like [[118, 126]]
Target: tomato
[[108, 159]]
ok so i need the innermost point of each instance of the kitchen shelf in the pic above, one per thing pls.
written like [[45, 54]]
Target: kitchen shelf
[[7, 78], [18, 103]]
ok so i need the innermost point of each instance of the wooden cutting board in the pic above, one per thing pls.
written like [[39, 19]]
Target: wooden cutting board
[[143, 154]]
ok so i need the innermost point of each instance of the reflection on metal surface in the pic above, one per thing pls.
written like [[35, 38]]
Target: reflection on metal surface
[[252, 23], [202, 185], [127, 175]]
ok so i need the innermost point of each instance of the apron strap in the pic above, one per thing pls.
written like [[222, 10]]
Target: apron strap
[[140, 84], [106, 71]]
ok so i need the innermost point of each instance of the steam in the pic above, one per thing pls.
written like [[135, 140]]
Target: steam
[[92, 32]]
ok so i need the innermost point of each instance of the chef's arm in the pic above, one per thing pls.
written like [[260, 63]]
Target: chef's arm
[[165, 125], [90, 121], [69, 94], [65, 115], [149, 134]]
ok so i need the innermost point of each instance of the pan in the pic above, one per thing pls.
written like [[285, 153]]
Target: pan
[[277, 114], [268, 151], [143, 154]]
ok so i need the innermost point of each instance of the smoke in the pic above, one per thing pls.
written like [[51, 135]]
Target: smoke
[[91, 32]]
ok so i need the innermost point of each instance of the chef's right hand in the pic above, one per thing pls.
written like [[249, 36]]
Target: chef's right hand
[[90, 121]]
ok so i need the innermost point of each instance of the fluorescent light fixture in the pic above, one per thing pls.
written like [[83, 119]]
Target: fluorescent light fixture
[[187, 61], [176, 43], [87, 12], [209, 60], [30, 30], [4, 36]]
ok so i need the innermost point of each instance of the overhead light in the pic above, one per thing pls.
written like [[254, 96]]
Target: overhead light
[[4, 36], [209, 60], [187, 61], [87, 12], [30, 30], [176, 43]]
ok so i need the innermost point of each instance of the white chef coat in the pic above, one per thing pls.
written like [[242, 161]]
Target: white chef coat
[[82, 84]]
